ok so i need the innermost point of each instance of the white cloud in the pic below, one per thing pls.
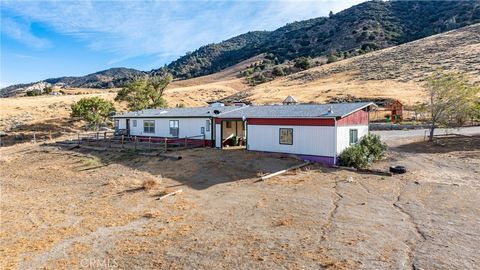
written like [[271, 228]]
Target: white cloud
[[163, 29], [22, 33]]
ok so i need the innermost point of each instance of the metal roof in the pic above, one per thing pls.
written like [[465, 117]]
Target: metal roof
[[179, 112], [271, 111], [298, 111]]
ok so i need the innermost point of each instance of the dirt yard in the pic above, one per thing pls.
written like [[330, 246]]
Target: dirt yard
[[92, 210]]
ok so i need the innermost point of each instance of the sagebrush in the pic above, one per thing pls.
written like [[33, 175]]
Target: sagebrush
[[361, 155]]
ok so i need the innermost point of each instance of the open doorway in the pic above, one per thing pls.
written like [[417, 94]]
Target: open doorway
[[234, 134]]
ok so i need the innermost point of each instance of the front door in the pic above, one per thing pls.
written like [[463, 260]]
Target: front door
[[127, 127]]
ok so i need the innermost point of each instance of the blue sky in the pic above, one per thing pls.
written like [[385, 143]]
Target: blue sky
[[44, 39]]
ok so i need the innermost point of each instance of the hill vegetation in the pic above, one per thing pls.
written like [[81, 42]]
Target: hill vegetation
[[362, 28]]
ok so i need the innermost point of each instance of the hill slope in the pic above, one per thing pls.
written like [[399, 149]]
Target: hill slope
[[110, 78], [396, 72], [365, 27]]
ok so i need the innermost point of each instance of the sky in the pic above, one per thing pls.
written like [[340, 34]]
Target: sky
[[45, 39]]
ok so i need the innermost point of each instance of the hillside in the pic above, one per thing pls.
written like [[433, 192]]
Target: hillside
[[396, 72], [110, 78], [362, 28]]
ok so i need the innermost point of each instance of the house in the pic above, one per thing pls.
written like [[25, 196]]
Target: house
[[316, 132]]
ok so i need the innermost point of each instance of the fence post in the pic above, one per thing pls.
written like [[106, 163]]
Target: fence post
[[50, 135], [149, 143], [122, 140], [105, 135], [34, 138], [185, 142], [135, 140], [165, 145], [204, 140], [78, 141]]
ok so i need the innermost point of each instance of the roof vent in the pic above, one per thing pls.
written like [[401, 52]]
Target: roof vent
[[330, 110], [216, 111]]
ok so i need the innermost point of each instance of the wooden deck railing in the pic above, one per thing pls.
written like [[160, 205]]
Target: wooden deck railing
[[109, 140]]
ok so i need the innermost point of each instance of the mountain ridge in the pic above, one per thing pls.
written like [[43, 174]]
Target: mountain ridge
[[359, 29]]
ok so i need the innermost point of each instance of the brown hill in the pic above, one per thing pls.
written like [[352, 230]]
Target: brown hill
[[396, 72]]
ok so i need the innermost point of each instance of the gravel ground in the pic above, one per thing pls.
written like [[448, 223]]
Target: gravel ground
[[90, 210]]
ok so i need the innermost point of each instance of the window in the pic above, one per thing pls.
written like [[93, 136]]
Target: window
[[202, 130], [149, 126], [229, 124], [286, 136], [207, 125], [174, 128], [134, 123], [353, 136]]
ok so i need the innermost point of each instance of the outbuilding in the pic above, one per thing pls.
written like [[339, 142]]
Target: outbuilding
[[315, 132]]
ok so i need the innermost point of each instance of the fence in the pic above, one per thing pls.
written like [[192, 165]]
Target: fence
[[109, 140]]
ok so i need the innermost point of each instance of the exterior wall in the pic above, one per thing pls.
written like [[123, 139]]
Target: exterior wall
[[218, 137], [307, 140], [187, 127], [343, 135], [236, 129], [122, 123], [356, 118]]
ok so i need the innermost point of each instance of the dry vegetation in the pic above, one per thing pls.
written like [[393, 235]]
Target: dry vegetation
[[61, 209]]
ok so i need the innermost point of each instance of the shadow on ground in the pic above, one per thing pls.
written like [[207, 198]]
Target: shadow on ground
[[442, 145], [199, 168]]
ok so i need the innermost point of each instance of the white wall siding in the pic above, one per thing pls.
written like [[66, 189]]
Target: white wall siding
[[343, 136], [218, 136], [307, 140], [187, 127], [122, 124]]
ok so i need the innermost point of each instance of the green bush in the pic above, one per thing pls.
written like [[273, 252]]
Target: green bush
[[363, 154], [302, 63]]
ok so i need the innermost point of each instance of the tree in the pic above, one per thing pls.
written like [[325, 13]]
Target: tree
[[93, 110], [450, 98], [302, 63], [419, 109], [145, 93], [278, 71], [331, 58]]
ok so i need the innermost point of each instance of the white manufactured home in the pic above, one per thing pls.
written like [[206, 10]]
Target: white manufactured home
[[313, 132]]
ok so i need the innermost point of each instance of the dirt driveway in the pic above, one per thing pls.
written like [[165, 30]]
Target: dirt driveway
[[91, 210]]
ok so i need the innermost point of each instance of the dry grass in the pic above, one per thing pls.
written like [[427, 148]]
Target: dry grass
[[150, 184]]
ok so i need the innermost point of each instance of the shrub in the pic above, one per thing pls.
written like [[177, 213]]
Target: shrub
[[363, 154], [278, 71], [331, 58], [302, 63]]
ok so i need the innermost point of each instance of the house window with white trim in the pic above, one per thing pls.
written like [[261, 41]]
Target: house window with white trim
[[134, 123], [286, 136], [353, 136], [174, 130], [148, 126]]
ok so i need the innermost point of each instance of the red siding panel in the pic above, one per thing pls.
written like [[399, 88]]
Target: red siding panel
[[356, 118], [291, 121]]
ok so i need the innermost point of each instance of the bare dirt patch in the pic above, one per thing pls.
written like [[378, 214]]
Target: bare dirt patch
[[62, 208]]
